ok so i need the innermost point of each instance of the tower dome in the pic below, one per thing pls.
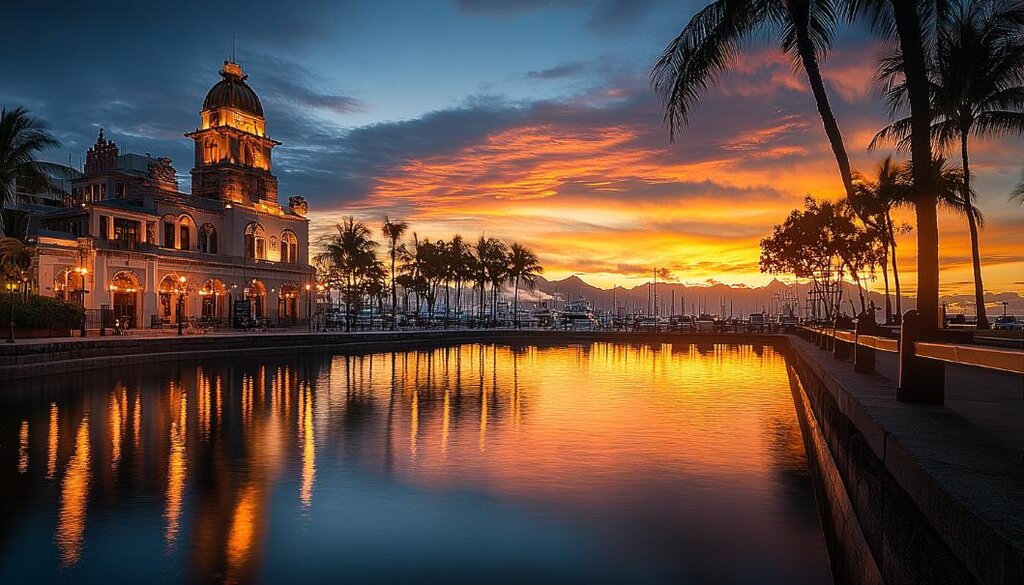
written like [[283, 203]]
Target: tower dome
[[233, 92]]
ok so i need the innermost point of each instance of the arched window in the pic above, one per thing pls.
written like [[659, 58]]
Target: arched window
[[255, 241], [186, 228], [289, 247], [208, 239]]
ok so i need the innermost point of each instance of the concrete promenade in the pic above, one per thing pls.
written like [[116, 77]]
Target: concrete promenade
[[960, 464]]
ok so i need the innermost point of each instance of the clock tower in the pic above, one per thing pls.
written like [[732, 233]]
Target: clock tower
[[233, 152]]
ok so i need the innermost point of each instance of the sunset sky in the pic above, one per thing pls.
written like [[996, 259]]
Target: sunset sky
[[531, 120]]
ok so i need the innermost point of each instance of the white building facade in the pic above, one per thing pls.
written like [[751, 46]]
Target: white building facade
[[131, 243]]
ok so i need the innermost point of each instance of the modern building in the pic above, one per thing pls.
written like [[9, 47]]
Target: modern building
[[128, 240]]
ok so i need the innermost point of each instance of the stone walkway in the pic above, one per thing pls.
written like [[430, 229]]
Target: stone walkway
[[959, 463]]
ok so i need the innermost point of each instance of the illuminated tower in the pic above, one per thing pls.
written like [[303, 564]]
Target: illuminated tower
[[233, 162]]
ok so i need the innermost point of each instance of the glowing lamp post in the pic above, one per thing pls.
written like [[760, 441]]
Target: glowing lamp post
[[81, 271], [309, 313], [11, 287], [181, 304]]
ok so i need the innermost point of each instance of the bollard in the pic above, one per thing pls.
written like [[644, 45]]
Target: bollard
[[921, 381], [863, 355], [841, 349]]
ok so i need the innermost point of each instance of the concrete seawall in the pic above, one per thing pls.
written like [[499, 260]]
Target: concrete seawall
[[41, 358], [906, 493]]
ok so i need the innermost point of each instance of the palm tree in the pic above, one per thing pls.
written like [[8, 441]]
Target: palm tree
[[522, 264], [710, 41], [22, 138], [873, 202], [15, 261], [351, 254], [478, 269], [496, 268], [977, 89], [393, 231], [907, 22]]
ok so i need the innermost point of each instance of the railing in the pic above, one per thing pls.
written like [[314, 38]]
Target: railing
[[921, 363]]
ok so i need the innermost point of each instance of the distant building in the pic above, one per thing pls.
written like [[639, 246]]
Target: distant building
[[141, 243]]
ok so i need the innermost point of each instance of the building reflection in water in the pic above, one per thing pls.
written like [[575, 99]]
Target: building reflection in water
[[211, 444], [74, 498]]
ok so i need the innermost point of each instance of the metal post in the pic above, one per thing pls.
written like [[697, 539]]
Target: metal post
[[181, 305], [863, 355], [840, 349], [921, 381], [10, 323]]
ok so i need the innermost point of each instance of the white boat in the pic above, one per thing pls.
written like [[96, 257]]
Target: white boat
[[705, 323], [578, 314]]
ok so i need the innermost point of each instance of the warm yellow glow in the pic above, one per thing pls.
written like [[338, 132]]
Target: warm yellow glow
[[241, 542], [177, 470], [52, 442], [137, 418], [446, 419], [308, 445], [414, 421], [23, 447], [116, 420], [74, 495]]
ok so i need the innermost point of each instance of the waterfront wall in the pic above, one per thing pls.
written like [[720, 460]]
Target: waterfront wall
[[34, 358], [875, 532]]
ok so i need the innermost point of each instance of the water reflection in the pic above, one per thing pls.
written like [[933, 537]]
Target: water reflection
[[598, 463]]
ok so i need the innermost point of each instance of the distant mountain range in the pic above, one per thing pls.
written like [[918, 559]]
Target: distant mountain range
[[737, 300]]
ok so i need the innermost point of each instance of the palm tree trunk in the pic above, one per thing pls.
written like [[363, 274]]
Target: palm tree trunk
[[908, 28], [972, 223], [885, 279], [515, 304], [394, 300], [809, 59], [895, 275]]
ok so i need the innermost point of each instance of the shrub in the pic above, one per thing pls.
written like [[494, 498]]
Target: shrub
[[37, 312]]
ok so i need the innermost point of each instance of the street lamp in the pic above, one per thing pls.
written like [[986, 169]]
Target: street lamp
[[81, 271], [10, 324], [309, 312], [181, 304], [320, 304]]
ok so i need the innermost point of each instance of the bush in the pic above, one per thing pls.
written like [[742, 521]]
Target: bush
[[36, 312]]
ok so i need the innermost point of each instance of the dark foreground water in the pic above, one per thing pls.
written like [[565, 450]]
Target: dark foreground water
[[601, 463]]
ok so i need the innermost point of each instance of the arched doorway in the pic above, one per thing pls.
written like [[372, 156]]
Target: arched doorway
[[214, 299], [288, 303], [68, 285], [168, 290], [257, 293], [124, 290]]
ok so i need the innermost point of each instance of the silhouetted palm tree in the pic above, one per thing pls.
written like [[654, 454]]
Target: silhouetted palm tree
[[22, 138], [522, 265], [351, 254], [708, 44], [393, 231], [873, 201], [910, 23], [976, 71]]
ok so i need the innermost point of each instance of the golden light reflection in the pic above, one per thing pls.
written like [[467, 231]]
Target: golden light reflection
[[74, 497], [52, 442], [23, 447], [446, 420], [242, 535], [137, 419], [177, 470], [308, 446], [414, 421], [116, 420]]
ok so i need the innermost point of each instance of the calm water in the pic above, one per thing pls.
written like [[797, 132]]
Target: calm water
[[601, 463]]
